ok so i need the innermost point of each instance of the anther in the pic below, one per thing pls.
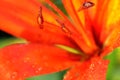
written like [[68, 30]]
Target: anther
[[86, 5], [65, 29], [40, 18]]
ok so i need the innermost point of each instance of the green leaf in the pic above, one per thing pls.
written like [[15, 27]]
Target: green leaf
[[52, 76], [114, 66]]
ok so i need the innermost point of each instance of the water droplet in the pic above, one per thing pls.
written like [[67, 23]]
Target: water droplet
[[92, 66], [13, 75], [33, 66], [38, 70], [24, 74]]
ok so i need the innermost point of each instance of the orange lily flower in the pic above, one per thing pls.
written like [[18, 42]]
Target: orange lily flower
[[91, 29]]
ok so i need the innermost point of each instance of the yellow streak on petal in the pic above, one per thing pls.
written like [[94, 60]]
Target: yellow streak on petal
[[70, 9], [78, 4], [111, 38], [69, 49], [113, 12], [110, 19], [49, 17]]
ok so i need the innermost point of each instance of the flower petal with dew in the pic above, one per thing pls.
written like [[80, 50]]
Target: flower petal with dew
[[95, 69], [20, 61], [91, 28]]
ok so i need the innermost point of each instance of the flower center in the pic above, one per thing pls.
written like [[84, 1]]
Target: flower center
[[71, 26]]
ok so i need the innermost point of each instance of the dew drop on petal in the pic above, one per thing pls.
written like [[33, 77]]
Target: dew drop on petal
[[14, 75], [92, 66], [24, 74], [33, 66], [38, 70]]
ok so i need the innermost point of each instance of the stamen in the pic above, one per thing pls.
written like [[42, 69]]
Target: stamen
[[40, 18], [86, 5], [65, 29]]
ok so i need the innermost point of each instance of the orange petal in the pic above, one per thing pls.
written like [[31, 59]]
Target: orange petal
[[84, 32], [85, 14], [22, 21], [107, 20], [111, 37], [90, 70], [24, 60]]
